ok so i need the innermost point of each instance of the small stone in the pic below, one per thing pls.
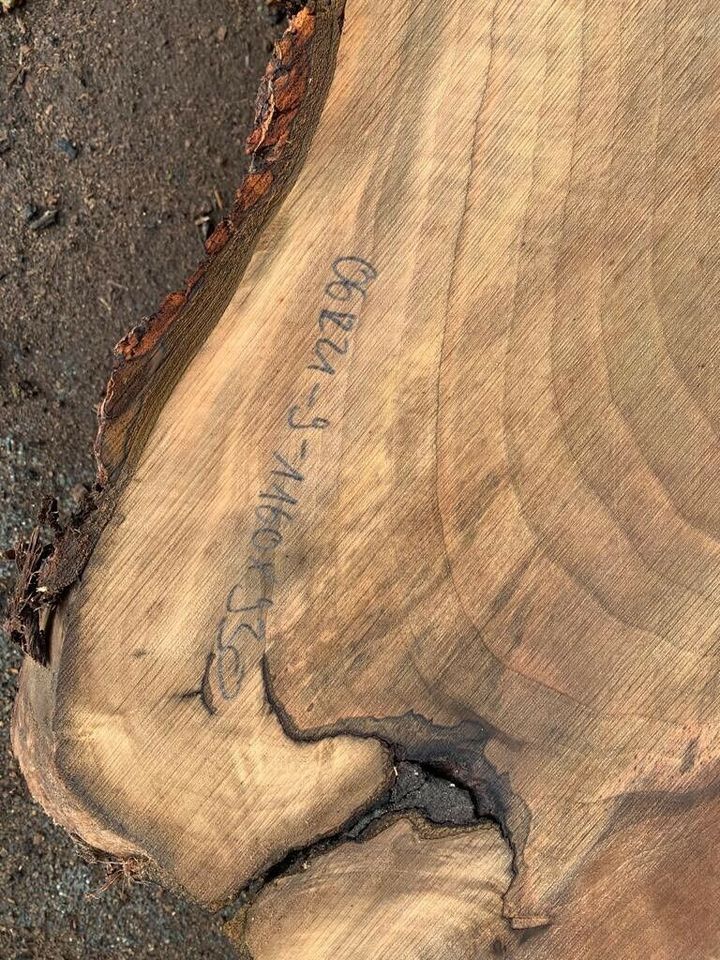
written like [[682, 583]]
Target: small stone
[[45, 219], [221, 34], [28, 389], [69, 148]]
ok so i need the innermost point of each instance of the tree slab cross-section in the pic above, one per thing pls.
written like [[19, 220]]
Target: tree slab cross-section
[[422, 468]]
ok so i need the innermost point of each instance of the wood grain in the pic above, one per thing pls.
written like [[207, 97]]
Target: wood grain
[[410, 893], [442, 483]]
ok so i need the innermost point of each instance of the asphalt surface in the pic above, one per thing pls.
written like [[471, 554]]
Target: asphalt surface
[[121, 142]]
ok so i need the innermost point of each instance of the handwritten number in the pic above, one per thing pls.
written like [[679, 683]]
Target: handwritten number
[[229, 693], [261, 603], [325, 366], [357, 264], [353, 276], [287, 469], [317, 423], [225, 649]]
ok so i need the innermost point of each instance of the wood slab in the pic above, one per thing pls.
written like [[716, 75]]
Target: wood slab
[[423, 465]]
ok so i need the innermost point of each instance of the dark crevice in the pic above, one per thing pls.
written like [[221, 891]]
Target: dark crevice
[[414, 791], [454, 754], [437, 776]]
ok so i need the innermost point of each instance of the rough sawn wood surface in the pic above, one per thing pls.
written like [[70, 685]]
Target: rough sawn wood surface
[[423, 465]]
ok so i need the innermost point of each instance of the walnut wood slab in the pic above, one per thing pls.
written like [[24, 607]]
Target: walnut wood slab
[[409, 893], [423, 464]]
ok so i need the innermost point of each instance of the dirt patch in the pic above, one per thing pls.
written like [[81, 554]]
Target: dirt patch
[[121, 142]]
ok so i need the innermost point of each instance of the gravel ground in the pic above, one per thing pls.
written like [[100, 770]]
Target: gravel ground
[[121, 131]]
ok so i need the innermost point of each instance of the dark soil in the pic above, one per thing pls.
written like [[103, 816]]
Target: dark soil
[[121, 143]]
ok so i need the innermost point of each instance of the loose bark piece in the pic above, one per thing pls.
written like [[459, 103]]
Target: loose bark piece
[[410, 893], [432, 474]]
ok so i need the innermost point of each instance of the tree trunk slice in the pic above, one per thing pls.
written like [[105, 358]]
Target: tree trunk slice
[[423, 465]]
